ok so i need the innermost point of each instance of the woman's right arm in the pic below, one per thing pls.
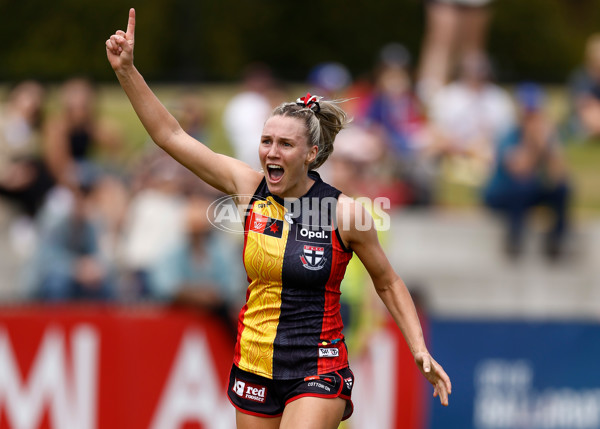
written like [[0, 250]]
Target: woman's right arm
[[224, 173]]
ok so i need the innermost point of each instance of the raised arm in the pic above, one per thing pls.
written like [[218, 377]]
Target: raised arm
[[362, 239], [222, 172]]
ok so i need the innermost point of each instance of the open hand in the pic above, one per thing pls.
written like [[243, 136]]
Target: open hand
[[119, 47], [435, 374]]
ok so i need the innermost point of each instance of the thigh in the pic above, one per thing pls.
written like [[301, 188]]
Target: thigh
[[319, 401], [313, 413], [247, 421]]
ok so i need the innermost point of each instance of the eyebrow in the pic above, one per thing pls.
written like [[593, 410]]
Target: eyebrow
[[282, 139]]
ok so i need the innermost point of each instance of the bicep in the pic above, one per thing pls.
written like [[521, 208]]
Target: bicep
[[360, 235], [371, 254]]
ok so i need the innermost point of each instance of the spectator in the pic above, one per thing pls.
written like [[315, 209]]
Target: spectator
[[76, 136], [530, 171], [329, 79], [71, 262], [584, 88], [467, 117], [395, 112], [154, 222], [196, 271], [24, 177], [394, 106], [454, 30]]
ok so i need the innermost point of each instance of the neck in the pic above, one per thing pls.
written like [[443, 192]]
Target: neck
[[299, 189]]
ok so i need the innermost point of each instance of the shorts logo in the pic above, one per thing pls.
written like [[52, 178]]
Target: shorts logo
[[312, 257], [238, 387], [250, 391], [348, 382], [319, 385], [328, 352]]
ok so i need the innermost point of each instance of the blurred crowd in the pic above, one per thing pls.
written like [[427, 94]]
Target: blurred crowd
[[91, 220]]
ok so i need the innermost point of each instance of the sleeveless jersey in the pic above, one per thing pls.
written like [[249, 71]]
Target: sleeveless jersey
[[290, 326]]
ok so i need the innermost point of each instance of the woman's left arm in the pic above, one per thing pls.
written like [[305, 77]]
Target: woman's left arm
[[362, 239]]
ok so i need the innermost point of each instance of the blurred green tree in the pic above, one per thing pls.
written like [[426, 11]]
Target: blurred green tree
[[184, 40]]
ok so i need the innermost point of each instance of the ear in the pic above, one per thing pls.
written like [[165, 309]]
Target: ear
[[312, 154]]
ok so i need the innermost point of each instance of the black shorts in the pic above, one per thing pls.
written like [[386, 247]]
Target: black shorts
[[264, 397]]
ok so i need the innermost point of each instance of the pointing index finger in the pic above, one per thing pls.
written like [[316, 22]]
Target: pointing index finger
[[131, 25]]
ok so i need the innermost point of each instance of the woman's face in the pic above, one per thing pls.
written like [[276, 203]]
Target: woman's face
[[285, 156]]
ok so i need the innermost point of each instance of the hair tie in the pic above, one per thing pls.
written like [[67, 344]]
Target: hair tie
[[310, 101]]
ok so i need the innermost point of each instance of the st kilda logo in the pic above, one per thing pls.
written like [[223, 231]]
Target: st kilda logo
[[312, 257]]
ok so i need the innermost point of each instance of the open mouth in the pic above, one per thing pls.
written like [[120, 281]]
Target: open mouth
[[275, 172]]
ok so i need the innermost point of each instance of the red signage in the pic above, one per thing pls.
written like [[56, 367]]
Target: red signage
[[95, 367]]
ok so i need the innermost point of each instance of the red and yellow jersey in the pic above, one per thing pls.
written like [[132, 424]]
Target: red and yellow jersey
[[290, 326]]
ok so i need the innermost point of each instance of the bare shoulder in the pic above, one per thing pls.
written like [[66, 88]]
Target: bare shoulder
[[352, 210], [346, 210], [345, 203], [353, 220]]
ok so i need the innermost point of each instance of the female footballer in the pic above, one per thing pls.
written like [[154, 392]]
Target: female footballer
[[290, 366]]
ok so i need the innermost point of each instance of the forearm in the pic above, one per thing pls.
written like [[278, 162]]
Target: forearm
[[394, 294], [166, 132], [224, 173], [399, 303], [155, 118]]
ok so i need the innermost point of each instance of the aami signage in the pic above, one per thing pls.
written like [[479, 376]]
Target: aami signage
[[86, 367]]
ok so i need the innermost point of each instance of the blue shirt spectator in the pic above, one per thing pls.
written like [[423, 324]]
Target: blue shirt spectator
[[530, 171]]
